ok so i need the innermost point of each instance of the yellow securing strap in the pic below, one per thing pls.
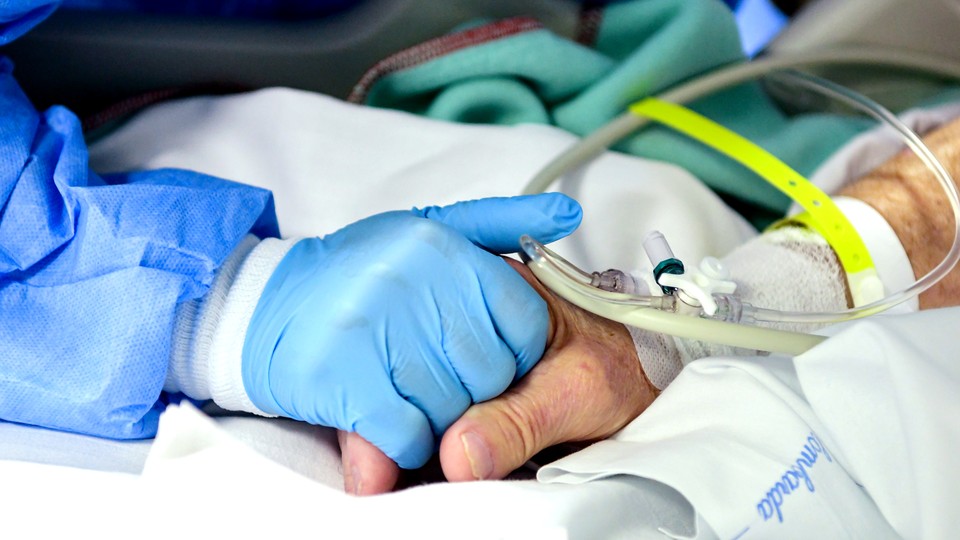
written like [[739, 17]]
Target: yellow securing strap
[[821, 213]]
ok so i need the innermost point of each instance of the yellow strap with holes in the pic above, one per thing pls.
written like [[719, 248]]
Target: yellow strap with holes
[[821, 213]]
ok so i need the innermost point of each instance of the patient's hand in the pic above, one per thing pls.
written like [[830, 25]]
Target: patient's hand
[[588, 385]]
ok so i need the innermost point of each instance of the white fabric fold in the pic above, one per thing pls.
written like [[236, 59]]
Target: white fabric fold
[[202, 473], [756, 467], [889, 392], [330, 163], [780, 447]]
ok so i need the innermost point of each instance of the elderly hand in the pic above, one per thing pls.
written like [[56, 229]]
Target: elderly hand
[[394, 325], [588, 385]]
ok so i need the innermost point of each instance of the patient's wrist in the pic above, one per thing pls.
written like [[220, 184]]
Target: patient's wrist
[[788, 269], [910, 199]]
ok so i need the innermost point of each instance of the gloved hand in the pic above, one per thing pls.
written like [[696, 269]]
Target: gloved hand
[[392, 326]]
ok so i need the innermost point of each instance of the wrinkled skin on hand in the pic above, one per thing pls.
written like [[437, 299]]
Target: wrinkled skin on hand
[[588, 385], [906, 194]]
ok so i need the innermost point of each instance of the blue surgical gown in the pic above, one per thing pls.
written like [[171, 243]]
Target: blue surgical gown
[[93, 268]]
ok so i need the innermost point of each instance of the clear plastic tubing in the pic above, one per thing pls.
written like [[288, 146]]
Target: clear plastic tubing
[[597, 142], [656, 313], [950, 188]]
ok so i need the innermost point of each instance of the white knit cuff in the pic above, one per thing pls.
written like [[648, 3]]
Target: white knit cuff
[[209, 337], [196, 322], [226, 351]]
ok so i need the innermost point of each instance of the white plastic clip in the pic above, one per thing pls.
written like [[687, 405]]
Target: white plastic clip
[[696, 287]]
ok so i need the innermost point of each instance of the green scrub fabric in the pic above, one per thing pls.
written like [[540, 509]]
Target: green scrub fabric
[[517, 71]]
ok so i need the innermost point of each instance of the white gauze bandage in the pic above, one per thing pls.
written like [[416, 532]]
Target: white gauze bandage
[[791, 269]]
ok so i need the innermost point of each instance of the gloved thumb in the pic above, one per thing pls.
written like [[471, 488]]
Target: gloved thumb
[[497, 223]]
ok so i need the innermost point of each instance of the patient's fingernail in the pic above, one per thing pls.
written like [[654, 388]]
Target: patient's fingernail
[[356, 481], [481, 462], [352, 483]]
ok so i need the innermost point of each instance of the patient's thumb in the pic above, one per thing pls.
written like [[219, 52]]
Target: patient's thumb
[[494, 438]]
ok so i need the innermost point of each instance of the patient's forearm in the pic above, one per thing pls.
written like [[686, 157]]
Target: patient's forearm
[[904, 191]]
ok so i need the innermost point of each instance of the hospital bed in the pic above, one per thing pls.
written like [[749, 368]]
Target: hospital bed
[[284, 477], [87, 60]]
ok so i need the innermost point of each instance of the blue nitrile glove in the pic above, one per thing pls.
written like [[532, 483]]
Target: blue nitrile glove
[[392, 326]]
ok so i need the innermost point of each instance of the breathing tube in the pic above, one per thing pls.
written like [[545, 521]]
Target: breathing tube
[[700, 303]]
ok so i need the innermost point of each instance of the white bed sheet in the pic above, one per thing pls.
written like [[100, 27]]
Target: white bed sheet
[[330, 163]]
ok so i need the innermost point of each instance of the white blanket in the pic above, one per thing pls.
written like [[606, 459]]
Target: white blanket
[[832, 442], [780, 447]]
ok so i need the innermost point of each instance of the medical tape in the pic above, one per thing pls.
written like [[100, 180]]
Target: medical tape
[[821, 213]]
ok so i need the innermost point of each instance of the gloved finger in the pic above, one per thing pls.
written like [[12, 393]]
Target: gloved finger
[[488, 353], [366, 470], [424, 375], [395, 426], [518, 313], [497, 223], [452, 355], [351, 390], [480, 354]]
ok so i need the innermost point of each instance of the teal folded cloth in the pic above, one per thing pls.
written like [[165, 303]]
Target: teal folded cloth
[[517, 71]]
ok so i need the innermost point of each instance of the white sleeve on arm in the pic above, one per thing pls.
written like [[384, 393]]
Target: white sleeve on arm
[[210, 331]]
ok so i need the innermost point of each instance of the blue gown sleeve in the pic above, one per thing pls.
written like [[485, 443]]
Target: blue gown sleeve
[[19, 16], [92, 270]]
